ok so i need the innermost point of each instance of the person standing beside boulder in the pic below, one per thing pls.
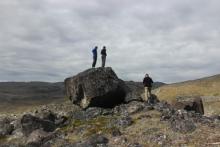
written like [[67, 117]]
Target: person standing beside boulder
[[94, 52], [104, 54], [147, 87]]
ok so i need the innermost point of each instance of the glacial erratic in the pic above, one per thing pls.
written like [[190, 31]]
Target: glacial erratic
[[98, 87]]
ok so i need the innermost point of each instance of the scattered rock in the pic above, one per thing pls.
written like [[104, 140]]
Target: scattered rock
[[153, 99], [121, 140], [163, 106], [134, 107], [180, 122], [38, 137], [46, 115], [123, 122], [116, 132], [30, 123], [159, 138], [6, 128], [93, 112], [121, 109], [129, 108]]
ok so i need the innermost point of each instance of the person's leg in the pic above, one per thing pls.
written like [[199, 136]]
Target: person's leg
[[149, 89], [145, 93], [94, 61], [148, 92], [149, 95], [103, 61]]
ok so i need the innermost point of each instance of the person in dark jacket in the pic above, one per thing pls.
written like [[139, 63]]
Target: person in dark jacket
[[94, 52], [104, 54], [147, 86]]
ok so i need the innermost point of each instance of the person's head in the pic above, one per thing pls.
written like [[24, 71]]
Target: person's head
[[104, 47], [96, 47], [147, 75]]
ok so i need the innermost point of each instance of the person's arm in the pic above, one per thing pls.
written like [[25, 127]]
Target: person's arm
[[152, 81], [143, 81]]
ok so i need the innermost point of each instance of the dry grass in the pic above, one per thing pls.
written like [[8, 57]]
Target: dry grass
[[207, 87], [212, 108]]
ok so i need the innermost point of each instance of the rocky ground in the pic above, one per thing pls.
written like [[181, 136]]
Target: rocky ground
[[105, 111], [136, 124]]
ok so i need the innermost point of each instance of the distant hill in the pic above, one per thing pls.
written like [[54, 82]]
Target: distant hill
[[30, 90], [208, 88], [21, 95]]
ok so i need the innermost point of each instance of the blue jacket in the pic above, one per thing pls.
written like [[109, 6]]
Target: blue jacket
[[94, 52]]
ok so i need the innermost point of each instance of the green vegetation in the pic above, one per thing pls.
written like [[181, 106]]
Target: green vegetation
[[99, 125], [3, 139]]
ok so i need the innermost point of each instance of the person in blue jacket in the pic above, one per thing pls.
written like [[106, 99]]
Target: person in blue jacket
[[94, 52]]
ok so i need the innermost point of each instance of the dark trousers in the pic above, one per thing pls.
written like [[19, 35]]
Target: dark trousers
[[103, 60], [94, 61]]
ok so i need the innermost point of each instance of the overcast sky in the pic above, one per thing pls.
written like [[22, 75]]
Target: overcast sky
[[49, 40]]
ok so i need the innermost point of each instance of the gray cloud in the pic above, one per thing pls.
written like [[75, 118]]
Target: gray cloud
[[51, 39]]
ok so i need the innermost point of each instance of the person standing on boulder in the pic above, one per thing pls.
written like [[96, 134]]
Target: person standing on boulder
[[104, 54], [147, 87], [94, 52]]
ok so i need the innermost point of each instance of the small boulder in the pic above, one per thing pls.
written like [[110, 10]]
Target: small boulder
[[30, 123], [47, 115], [38, 137], [6, 128], [192, 104]]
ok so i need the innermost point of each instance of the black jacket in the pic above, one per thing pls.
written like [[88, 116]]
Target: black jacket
[[103, 52], [147, 82]]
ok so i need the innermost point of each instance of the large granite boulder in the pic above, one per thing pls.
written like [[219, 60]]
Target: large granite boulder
[[98, 87], [134, 91]]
